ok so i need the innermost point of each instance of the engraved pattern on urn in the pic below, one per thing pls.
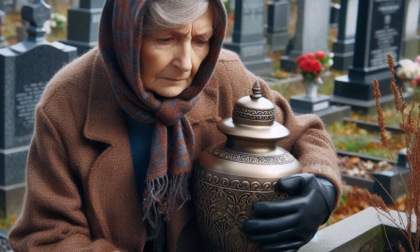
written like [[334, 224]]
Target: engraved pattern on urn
[[231, 177]]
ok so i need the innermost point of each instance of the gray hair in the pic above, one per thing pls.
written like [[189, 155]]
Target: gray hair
[[166, 14]]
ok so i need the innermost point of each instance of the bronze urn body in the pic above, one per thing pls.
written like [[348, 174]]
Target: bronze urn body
[[230, 177]]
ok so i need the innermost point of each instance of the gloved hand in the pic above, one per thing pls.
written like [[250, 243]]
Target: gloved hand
[[288, 224]]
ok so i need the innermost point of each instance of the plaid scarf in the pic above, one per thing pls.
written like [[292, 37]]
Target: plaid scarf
[[120, 36]]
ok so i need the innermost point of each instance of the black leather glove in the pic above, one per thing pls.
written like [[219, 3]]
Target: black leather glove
[[288, 224]]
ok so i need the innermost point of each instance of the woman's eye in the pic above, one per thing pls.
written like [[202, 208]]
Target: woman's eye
[[165, 40], [201, 41]]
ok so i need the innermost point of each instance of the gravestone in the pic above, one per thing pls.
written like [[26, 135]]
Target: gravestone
[[278, 17], [75, 3], [11, 5], [410, 36], [402, 158], [83, 25], [379, 32], [248, 36], [335, 10], [21, 33], [25, 69], [343, 45], [6, 5], [3, 42], [312, 30]]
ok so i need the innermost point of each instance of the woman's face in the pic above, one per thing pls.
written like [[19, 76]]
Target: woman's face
[[171, 57]]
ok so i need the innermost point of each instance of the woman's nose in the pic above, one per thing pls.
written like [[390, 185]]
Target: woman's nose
[[182, 58]]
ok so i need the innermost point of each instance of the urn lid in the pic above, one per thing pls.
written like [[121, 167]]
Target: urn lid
[[253, 118]]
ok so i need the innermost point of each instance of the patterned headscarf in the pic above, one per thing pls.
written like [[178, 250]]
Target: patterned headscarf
[[120, 37]]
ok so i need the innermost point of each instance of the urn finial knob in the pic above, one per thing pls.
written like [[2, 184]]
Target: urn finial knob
[[256, 91], [253, 117]]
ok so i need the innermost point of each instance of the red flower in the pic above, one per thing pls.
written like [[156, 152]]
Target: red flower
[[415, 82], [316, 67], [305, 57], [320, 55], [312, 64]]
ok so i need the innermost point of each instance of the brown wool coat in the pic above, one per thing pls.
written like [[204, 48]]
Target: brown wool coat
[[81, 193]]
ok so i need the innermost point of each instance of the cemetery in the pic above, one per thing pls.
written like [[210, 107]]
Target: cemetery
[[351, 41]]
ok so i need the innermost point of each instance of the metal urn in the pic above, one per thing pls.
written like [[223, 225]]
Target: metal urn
[[230, 177]]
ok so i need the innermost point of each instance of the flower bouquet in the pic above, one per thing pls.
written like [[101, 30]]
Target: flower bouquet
[[409, 73], [311, 65]]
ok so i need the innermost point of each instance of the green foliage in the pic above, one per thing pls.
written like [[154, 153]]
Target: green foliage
[[58, 21]]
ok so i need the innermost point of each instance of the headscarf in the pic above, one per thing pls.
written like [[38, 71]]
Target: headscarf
[[120, 37]]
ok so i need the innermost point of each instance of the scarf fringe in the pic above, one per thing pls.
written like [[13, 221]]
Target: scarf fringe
[[161, 195]]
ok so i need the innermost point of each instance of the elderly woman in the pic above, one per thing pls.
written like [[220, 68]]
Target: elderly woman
[[119, 129]]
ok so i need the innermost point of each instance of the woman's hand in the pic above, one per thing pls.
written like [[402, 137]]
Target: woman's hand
[[288, 224]]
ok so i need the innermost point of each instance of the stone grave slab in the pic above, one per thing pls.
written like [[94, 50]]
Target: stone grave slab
[[278, 19], [335, 11], [248, 36], [302, 104], [387, 184], [410, 37], [11, 5], [343, 45], [379, 32], [312, 29], [320, 106], [83, 25], [25, 69], [363, 231], [3, 42]]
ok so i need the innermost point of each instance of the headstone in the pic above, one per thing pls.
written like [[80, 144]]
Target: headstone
[[6, 5], [75, 3], [21, 32], [379, 32], [278, 17], [410, 36], [248, 36], [335, 14], [402, 158], [343, 45], [25, 69], [419, 29], [312, 30], [11, 5], [3, 42], [83, 25]]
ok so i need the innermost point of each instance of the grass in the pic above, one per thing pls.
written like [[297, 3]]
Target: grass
[[391, 118], [348, 137]]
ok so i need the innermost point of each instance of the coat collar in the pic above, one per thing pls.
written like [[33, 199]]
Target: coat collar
[[105, 119], [112, 170]]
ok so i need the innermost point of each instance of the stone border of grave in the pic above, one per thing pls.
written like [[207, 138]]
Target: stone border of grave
[[4, 242], [389, 185], [363, 231]]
